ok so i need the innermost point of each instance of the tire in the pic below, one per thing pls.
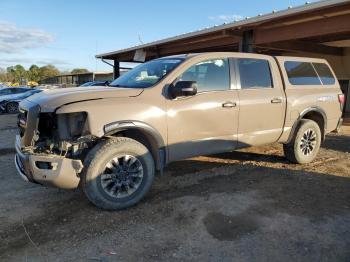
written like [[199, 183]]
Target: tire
[[12, 108], [305, 144], [109, 180]]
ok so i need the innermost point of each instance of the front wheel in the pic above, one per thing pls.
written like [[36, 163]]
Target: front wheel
[[117, 173], [12, 107], [305, 144]]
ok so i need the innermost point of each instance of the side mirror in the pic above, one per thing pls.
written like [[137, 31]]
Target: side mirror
[[183, 88]]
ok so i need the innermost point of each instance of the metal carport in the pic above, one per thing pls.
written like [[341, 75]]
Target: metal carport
[[320, 29]]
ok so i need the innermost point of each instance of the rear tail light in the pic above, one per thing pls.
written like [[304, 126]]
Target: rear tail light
[[341, 99]]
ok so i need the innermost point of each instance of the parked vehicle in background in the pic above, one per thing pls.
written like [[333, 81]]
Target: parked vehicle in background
[[32, 84], [96, 83], [11, 96], [111, 140], [50, 86]]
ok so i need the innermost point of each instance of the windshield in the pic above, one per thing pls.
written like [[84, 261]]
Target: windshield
[[147, 74], [87, 84], [33, 92]]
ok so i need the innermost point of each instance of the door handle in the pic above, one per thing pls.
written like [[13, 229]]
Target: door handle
[[276, 100], [229, 104]]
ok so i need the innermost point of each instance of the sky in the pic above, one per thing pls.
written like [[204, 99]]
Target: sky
[[69, 33]]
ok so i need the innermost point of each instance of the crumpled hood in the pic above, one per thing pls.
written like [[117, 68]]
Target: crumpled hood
[[49, 100]]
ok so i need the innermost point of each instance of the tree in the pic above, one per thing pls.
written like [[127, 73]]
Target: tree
[[48, 71], [3, 75], [33, 73], [79, 70], [17, 73]]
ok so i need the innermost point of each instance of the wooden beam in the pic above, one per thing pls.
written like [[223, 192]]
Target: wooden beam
[[302, 46], [315, 14], [220, 41], [246, 43], [216, 44], [204, 39], [330, 25], [116, 69], [232, 32], [329, 38]]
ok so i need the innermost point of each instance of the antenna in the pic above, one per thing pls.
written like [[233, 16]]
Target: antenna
[[140, 39], [95, 57]]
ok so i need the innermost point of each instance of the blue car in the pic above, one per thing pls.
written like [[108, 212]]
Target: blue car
[[11, 96]]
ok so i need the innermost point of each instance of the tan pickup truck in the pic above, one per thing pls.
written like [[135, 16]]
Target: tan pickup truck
[[112, 140]]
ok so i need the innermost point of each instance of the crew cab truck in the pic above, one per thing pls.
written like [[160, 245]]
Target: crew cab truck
[[112, 140]]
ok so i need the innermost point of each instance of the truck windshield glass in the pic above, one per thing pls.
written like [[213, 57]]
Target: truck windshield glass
[[147, 74]]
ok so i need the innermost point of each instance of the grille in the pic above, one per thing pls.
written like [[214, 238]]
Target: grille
[[28, 121], [22, 121]]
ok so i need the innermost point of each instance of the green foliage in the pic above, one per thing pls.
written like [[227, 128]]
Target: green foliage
[[34, 73], [4, 77], [79, 70], [18, 74], [48, 71]]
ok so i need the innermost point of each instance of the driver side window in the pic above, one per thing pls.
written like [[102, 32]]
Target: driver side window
[[5, 92], [210, 75], [19, 91]]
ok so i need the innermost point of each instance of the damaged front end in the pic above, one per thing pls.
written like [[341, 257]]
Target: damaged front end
[[51, 147], [63, 134]]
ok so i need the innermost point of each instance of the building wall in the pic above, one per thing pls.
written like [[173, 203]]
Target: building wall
[[108, 76], [346, 62], [104, 77]]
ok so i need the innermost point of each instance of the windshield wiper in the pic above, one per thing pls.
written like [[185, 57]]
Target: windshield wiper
[[122, 86]]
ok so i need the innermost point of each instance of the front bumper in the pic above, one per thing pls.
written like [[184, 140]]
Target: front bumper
[[45, 169]]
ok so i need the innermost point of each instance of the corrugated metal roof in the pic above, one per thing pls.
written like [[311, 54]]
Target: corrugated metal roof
[[236, 24]]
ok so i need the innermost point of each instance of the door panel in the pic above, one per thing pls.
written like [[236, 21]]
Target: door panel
[[262, 102], [200, 125], [207, 122], [260, 121]]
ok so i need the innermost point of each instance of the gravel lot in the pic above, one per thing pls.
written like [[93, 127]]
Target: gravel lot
[[250, 205]]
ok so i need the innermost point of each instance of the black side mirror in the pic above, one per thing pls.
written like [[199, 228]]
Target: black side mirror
[[183, 88]]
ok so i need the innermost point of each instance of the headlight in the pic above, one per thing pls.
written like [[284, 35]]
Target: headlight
[[71, 125]]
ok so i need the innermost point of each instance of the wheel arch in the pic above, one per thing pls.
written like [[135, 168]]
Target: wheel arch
[[316, 114], [143, 133]]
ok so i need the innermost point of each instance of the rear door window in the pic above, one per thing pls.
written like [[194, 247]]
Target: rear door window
[[324, 73], [301, 73], [254, 73]]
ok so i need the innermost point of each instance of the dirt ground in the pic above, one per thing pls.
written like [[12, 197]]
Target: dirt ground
[[250, 205]]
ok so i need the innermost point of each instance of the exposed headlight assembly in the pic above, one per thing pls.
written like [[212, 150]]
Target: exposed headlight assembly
[[72, 125]]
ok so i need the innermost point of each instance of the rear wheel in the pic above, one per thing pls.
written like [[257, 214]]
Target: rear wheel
[[305, 144], [117, 173], [12, 107]]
